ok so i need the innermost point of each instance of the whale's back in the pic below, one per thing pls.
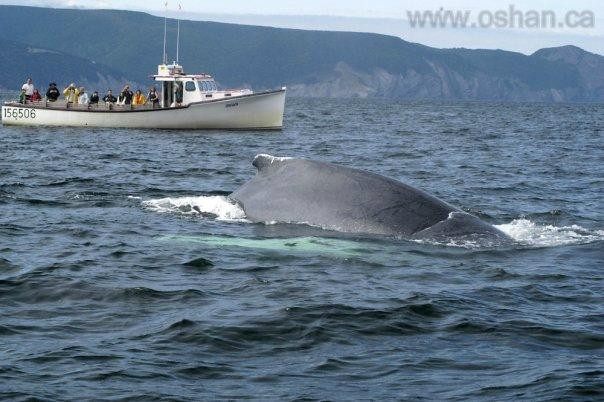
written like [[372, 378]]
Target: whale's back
[[336, 197]]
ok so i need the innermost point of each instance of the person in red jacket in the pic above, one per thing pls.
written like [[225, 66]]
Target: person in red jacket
[[36, 97]]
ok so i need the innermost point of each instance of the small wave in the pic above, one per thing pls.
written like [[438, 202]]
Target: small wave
[[69, 180], [218, 206], [529, 233], [149, 295], [199, 263], [470, 242]]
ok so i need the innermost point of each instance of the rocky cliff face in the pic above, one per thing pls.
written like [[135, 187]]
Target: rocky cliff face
[[589, 65], [447, 82]]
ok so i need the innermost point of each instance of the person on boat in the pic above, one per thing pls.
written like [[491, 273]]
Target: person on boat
[[71, 93], [83, 98], [28, 87], [94, 98], [23, 97], [109, 98], [36, 97], [53, 92], [152, 97], [126, 96], [178, 94], [139, 98]]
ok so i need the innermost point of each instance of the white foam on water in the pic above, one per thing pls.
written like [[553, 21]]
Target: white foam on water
[[459, 243], [529, 233], [220, 206], [274, 159]]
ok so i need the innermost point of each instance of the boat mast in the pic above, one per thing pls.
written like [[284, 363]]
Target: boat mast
[[178, 35], [165, 29]]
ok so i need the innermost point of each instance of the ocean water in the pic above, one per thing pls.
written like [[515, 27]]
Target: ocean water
[[126, 274]]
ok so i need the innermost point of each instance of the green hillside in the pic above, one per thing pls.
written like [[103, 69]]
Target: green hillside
[[20, 61]]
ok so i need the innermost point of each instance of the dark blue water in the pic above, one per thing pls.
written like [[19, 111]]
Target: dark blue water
[[126, 274]]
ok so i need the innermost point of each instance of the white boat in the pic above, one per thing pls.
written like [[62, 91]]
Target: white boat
[[203, 106]]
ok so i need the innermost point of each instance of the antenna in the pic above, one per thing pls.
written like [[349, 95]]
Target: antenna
[[165, 29], [178, 36], [177, 40]]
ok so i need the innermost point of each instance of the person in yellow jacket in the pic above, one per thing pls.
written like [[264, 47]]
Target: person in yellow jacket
[[71, 93], [139, 98]]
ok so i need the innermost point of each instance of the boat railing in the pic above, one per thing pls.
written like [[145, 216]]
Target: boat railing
[[101, 106]]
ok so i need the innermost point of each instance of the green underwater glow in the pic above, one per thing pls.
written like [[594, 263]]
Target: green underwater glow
[[305, 245]]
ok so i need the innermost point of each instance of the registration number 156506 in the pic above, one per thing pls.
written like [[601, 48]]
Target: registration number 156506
[[17, 113]]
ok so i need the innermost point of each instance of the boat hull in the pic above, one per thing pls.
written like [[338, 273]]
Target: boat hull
[[261, 111]]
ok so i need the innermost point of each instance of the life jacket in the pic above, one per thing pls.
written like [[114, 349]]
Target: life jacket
[[139, 99]]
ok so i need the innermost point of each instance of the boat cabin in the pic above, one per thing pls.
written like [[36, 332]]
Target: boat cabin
[[178, 88]]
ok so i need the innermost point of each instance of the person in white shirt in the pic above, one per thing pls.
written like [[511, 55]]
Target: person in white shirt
[[83, 97], [28, 87]]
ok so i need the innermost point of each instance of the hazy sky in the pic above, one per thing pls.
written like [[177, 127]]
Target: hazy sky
[[355, 8], [387, 14]]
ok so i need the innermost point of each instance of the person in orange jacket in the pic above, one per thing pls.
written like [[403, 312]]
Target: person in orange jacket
[[139, 98]]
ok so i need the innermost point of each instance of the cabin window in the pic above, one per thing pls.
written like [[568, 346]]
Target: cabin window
[[208, 86], [190, 86]]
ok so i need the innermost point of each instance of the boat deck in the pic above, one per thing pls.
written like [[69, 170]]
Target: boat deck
[[100, 107]]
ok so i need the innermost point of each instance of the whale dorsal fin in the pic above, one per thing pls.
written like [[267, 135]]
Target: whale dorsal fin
[[264, 161]]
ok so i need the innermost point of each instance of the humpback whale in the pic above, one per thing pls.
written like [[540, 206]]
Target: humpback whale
[[295, 190]]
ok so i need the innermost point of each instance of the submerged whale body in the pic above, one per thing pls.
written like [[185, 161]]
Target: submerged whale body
[[292, 190]]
